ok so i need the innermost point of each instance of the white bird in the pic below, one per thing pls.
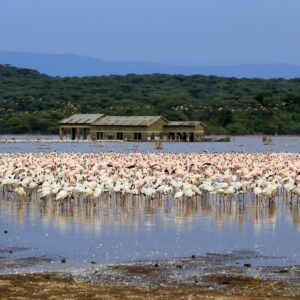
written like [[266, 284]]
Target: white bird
[[62, 195], [20, 191]]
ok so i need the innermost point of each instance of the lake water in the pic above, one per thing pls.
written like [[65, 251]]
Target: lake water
[[237, 144], [121, 230], [115, 230]]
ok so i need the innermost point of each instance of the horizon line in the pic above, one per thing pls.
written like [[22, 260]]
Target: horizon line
[[153, 62]]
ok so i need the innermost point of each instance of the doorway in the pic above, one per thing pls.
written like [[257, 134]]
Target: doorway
[[119, 135], [137, 136], [171, 136], [99, 135], [73, 133]]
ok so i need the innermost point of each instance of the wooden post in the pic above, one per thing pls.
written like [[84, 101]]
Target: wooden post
[[61, 133], [78, 133]]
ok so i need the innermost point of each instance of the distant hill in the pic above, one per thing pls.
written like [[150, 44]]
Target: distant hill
[[76, 65], [31, 102]]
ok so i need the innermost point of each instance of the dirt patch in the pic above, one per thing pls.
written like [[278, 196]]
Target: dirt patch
[[213, 276], [250, 286], [59, 286]]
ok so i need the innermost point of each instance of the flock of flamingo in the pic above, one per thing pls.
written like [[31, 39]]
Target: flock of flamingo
[[62, 176], [43, 141]]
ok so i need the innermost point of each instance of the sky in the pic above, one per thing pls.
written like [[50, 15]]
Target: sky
[[181, 32]]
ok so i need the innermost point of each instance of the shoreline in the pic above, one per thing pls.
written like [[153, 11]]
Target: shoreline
[[213, 276], [55, 286]]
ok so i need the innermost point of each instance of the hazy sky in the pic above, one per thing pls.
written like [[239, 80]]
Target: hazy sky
[[189, 32]]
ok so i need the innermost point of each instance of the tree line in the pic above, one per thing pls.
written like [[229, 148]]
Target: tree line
[[31, 102]]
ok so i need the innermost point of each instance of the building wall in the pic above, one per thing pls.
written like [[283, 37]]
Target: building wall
[[168, 129], [155, 130], [199, 132], [111, 132], [181, 133], [77, 130]]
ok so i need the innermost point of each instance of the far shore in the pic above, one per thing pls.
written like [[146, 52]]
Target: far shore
[[208, 135]]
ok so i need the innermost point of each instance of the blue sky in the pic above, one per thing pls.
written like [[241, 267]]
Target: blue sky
[[183, 32]]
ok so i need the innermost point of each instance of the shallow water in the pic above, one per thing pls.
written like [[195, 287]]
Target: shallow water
[[237, 144], [118, 230]]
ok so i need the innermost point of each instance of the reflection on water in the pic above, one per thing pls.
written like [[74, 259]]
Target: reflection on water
[[120, 229], [139, 211]]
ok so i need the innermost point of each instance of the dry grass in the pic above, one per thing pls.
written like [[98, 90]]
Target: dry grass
[[54, 286]]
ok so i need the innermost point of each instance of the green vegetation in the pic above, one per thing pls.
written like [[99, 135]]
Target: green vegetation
[[31, 102]]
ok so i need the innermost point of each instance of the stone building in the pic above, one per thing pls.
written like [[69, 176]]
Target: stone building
[[130, 128]]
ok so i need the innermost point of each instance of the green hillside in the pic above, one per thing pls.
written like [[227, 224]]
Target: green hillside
[[31, 102]]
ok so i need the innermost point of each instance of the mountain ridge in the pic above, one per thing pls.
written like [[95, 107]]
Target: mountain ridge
[[80, 66]]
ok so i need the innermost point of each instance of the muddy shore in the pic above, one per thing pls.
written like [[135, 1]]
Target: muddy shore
[[59, 286], [213, 276]]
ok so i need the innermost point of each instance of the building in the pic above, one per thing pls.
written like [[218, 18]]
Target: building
[[129, 128], [185, 131], [78, 126], [138, 128]]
